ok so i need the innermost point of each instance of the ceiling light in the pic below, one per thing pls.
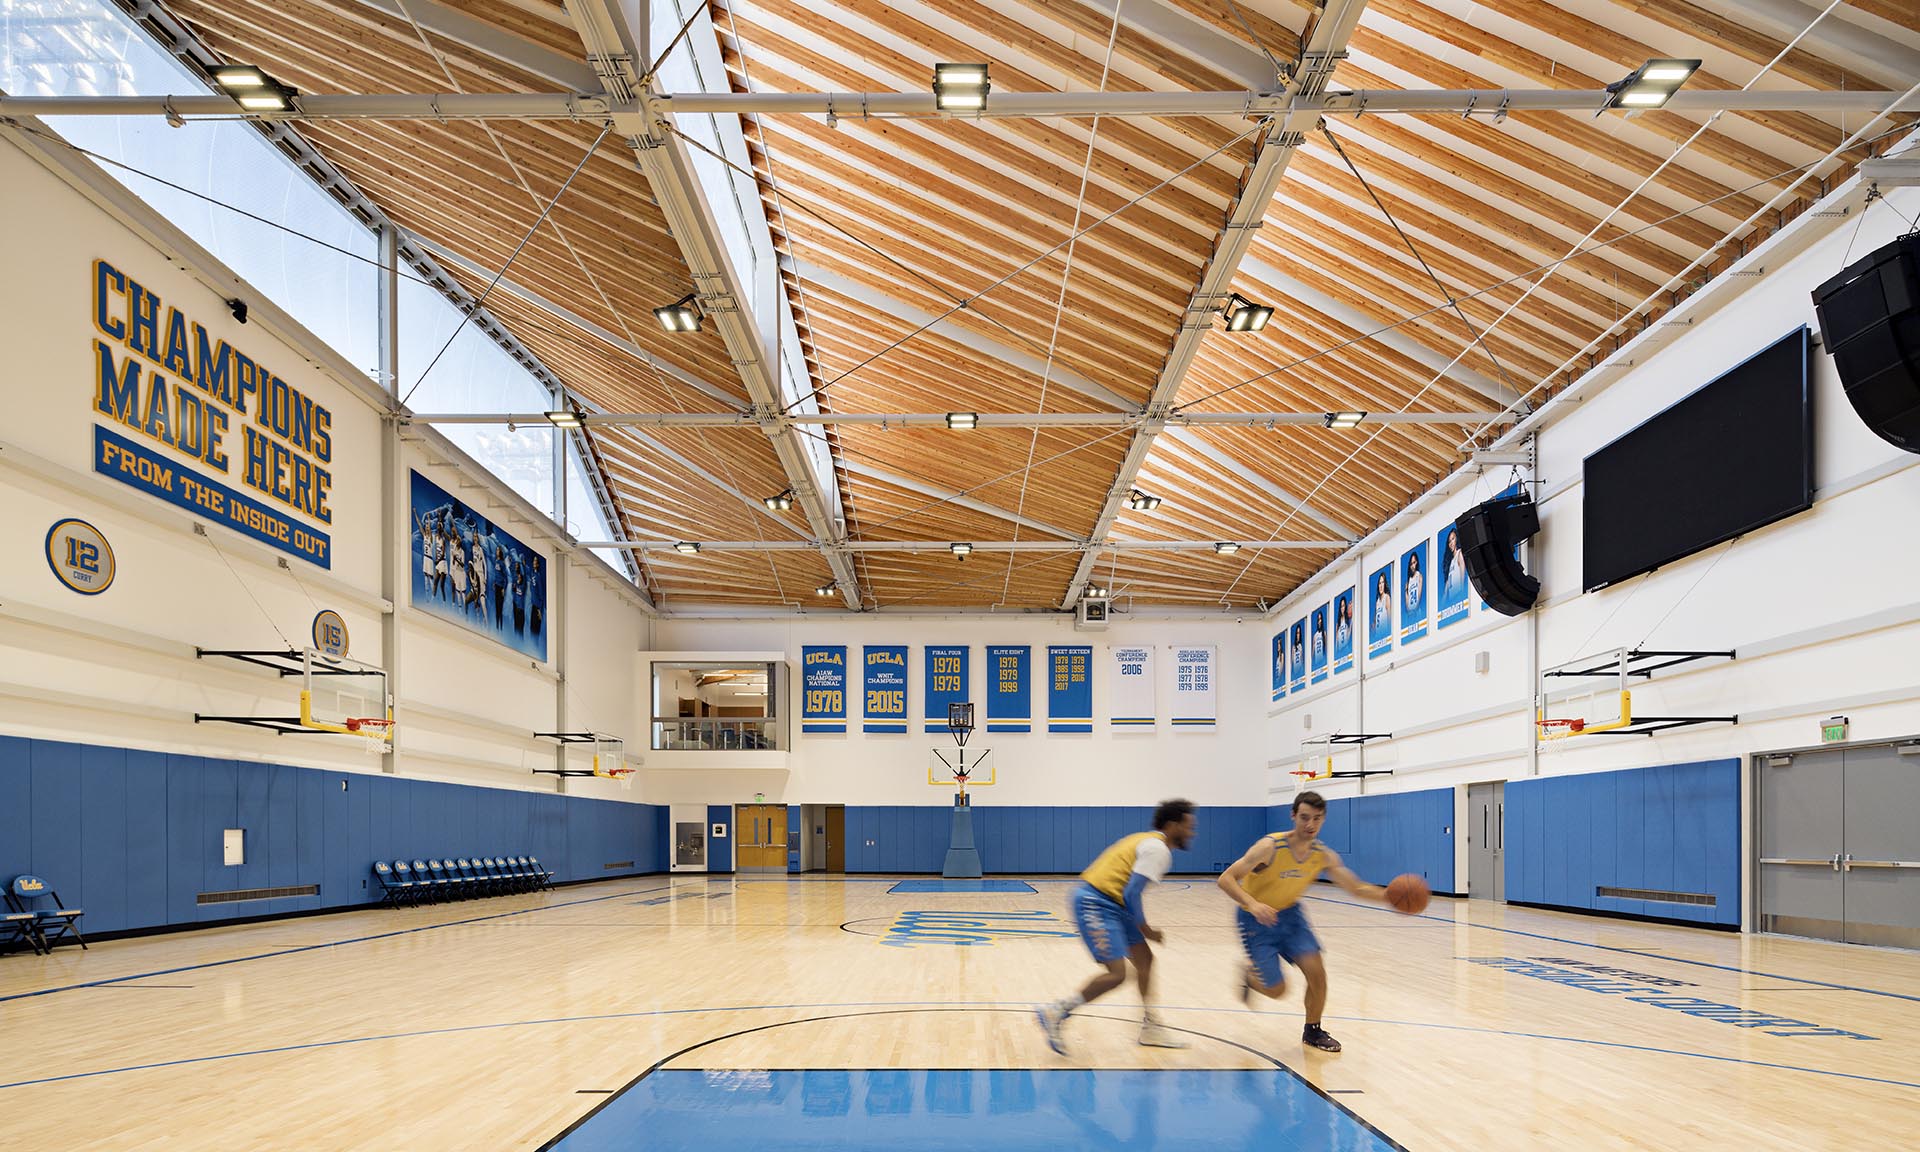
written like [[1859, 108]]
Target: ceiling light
[[1226, 548], [961, 421], [236, 77], [564, 419], [683, 315], [960, 550], [1344, 419], [1096, 592], [254, 89], [1243, 315], [1652, 84], [1141, 502], [825, 590], [687, 546], [264, 101], [960, 87], [780, 503]]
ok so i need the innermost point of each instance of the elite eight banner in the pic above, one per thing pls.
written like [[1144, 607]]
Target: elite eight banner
[[1130, 701], [1193, 686], [1009, 707]]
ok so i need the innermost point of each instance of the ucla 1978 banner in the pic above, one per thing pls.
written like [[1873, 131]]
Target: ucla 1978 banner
[[823, 688], [947, 682], [885, 688], [1130, 699], [1070, 688], [1009, 708], [474, 573]]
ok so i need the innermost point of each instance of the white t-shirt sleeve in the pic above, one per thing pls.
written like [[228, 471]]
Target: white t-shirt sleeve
[[1153, 859]]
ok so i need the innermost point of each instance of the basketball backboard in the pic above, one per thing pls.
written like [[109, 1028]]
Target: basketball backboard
[[339, 694], [1584, 696]]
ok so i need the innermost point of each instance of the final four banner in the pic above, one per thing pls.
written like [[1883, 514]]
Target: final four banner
[[886, 688], [1009, 708], [1070, 688], [1130, 702], [946, 682], [1343, 632], [1193, 686], [823, 688], [474, 573], [1280, 664], [1380, 613]]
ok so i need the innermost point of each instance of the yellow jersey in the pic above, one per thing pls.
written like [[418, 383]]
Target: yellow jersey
[[1110, 871], [1285, 877]]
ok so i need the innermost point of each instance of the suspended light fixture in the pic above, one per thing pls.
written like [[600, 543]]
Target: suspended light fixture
[[683, 315], [253, 88], [1141, 502], [1344, 419], [962, 421], [824, 590], [1226, 548], [1243, 315], [960, 551], [1651, 85], [780, 503], [960, 87], [564, 418], [688, 547]]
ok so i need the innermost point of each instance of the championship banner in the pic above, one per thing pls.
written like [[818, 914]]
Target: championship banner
[[1450, 606], [1297, 655], [1380, 613], [1008, 707], [1193, 686], [1413, 593], [1070, 688], [469, 571], [1317, 641], [886, 689], [1280, 664], [1131, 703], [946, 682], [1343, 632], [823, 688]]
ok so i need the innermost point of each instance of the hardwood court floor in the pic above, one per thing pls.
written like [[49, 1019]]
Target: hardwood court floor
[[499, 1023]]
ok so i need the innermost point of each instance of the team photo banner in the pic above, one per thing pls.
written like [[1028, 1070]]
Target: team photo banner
[[946, 682], [1070, 688], [1280, 664], [469, 571], [1193, 686], [1450, 606], [1009, 708], [1343, 632], [1380, 612], [1130, 699], [1297, 656], [1413, 593], [823, 688], [885, 688], [1317, 643]]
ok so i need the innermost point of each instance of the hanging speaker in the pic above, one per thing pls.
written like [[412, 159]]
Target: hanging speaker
[[1870, 323], [1488, 534]]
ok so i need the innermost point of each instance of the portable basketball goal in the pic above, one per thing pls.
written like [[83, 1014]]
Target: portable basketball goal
[[609, 756], [338, 695], [1593, 696]]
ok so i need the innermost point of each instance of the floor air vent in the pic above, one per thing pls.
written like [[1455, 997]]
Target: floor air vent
[[239, 894], [1663, 897], [616, 864]]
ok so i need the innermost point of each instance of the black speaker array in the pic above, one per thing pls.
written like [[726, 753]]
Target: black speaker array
[[1870, 323], [1489, 533]]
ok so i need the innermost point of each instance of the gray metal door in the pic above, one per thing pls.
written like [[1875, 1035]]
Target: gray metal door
[[1801, 801], [1880, 859], [1486, 841]]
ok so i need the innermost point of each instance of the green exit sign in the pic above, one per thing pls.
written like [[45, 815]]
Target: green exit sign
[[1834, 730]]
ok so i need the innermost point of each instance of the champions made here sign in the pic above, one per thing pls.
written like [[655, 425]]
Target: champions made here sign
[[167, 394]]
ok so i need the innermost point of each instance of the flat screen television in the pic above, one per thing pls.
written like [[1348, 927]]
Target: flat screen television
[[1731, 457]]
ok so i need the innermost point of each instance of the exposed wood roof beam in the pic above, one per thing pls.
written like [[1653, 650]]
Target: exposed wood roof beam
[[490, 40], [949, 496], [1178, 30], [1241, 472], [598, 419], [939, 547]]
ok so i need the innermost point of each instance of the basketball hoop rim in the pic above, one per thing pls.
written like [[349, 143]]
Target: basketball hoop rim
[[1561, 727]]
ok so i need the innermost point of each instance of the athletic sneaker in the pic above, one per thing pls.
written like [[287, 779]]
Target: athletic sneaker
[[1051, 1018], [1154, 1035], [1314, 1036]]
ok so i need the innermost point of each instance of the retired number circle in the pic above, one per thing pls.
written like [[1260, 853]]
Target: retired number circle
[[80, 557]]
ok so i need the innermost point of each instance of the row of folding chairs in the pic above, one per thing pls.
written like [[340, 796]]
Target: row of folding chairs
[[38, 927], [402, 882]]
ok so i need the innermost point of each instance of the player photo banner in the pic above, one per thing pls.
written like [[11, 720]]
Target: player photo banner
[[1297, 656], [1317, 643], [823, 688], [1009, 707], [1343, 632], [1280, 665], [1070, 688], [471, 572], [1450, 604], [946, 682], [1380, 612], [1413, 593], [885, 668], [1130, 702], [1193, 686]]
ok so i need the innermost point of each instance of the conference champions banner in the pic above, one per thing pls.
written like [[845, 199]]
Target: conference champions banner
[[1380, 613], [1008, 706], [1343, 632], [1130, 699], [1318, 640], [946, 682], [469, 571], [885, 689], [1280, 664], [1297, 655], [823, 688], [1450, 606], [1070, 688], [1413, 593], [1193, 686]]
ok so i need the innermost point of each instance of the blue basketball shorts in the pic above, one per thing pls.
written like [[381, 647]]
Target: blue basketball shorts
[[1290, 938], [1107, 929]]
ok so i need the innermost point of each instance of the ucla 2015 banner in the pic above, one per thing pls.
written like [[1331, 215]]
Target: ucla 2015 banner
[[1131, 700], [1413, 593], [212, 405], [1193, 686], [1450, 606], [469, 571], [946, 682], [1380, 613], [1297, 655], [1318, 642], [823, 688], [886, 688], [1343, 632], [1070, 688], [1280, 664], [1008, 707]]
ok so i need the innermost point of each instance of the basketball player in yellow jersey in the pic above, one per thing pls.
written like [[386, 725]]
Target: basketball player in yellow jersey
[[1113, 922], [1267, 883]]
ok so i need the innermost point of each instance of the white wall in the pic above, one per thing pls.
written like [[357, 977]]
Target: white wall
[[1820, 607], [1222, 766], [119, 668]]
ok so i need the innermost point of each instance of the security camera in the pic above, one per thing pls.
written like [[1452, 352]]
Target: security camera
[[238, 307]]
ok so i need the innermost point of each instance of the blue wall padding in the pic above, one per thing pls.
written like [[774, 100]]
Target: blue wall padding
[[1668, 828], [133, 837]]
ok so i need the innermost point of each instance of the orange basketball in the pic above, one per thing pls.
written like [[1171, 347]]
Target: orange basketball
[[1409, 894]]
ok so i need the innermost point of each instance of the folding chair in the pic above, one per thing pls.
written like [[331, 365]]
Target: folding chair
[[540, 873], [18, 926], [392, 888], [447, 883], [417, 886], [431, 888], [503, 878], [479, 884], [49, 924], [523, 873]]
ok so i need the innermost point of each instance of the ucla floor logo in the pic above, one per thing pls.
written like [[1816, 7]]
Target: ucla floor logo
[[952, 928], [80, 557]]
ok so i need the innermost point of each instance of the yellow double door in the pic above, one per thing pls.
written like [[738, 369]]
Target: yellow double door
[[763, 837]]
